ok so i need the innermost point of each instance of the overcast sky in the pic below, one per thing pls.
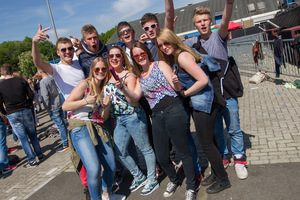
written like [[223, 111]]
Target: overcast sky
[[20, 18]]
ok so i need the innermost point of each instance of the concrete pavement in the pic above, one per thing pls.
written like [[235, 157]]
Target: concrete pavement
[[269, 116]]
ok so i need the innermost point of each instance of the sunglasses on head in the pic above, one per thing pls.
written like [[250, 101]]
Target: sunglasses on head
[[65, 49], [118, 55], [98, 69], [163, 44], [143, 55], [146, 28], [121, 33]]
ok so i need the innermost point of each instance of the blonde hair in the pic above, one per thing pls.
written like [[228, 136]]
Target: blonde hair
[[89, 28], [169, 36], [200, 10], [126, 63], [91, 79]]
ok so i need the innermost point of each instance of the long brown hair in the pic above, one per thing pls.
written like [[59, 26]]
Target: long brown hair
[[126, 63], [91, 79], [135, 64]]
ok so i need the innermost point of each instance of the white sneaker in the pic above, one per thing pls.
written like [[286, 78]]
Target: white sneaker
[[171, 187], [114, 197], [241, 171]]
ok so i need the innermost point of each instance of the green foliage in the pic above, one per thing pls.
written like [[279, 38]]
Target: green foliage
[[11, 50], [105, 37], [26, 64]]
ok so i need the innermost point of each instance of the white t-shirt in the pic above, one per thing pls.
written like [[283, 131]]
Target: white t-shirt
[[67, 76]]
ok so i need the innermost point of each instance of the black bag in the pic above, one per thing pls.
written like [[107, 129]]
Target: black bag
[[13, 159], [229, 77]]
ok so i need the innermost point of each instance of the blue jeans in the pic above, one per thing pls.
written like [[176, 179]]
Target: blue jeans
[[22, 124], [230, 112], [62, 102], [135, 126], [57, 117], [90, 156], [36, 100], [3, 148]]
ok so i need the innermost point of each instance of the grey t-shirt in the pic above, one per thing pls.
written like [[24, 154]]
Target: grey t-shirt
[[51, 98], [214, 45]]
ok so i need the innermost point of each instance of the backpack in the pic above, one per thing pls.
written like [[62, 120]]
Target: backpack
[[230, 84]]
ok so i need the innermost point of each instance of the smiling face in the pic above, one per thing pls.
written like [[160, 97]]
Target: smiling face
[[166, 47], [202, 23], [115, 58], [140, 56], [100, 71], [126, 34], [66, 52], [151, 29], [92, 41]]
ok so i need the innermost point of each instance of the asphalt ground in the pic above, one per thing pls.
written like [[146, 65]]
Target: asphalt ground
[[269, 117]]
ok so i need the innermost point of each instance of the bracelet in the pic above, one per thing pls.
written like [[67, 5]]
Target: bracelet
[[86, 101]]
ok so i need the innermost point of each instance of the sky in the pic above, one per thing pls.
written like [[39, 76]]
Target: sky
[[20, 18]]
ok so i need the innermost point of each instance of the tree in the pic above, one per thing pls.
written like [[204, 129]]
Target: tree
[[26, 64], [105, 37]]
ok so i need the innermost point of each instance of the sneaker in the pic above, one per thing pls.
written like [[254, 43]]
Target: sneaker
[[62, 149], [118, 177], [37, 124], [138, 183], [30, 164], [190, 195], [209, 180], [113, 197], [158, 171], [171, 188], [241, 171], [11, 150], [8, 169], [150, 187], [42, 157], [218, 187], [87, 194], [225, 163], [198, 178], [240, 166]]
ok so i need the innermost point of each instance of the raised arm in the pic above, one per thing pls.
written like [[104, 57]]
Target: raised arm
[[36, 55], [223, 29], [170, 14]]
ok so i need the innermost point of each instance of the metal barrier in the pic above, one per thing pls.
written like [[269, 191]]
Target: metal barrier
[[241, 50]]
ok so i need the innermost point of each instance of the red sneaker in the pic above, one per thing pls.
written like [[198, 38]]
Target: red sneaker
[[225, 163], [8, 169], [11, 150]]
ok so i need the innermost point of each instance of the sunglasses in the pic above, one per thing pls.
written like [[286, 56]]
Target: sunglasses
[[65, 49], [98, 69], [118, 55], [143, 55], [121, 33], [163, 44], [153, 26]]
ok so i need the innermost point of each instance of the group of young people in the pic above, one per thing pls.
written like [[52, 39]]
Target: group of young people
[[108, 114]]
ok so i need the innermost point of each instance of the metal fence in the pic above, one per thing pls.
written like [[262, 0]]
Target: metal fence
[[241, 49]]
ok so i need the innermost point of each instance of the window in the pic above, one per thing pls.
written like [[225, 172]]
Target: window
[[261, 5], [251, 7]]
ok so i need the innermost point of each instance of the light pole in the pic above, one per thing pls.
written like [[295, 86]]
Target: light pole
[[52, 19]]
